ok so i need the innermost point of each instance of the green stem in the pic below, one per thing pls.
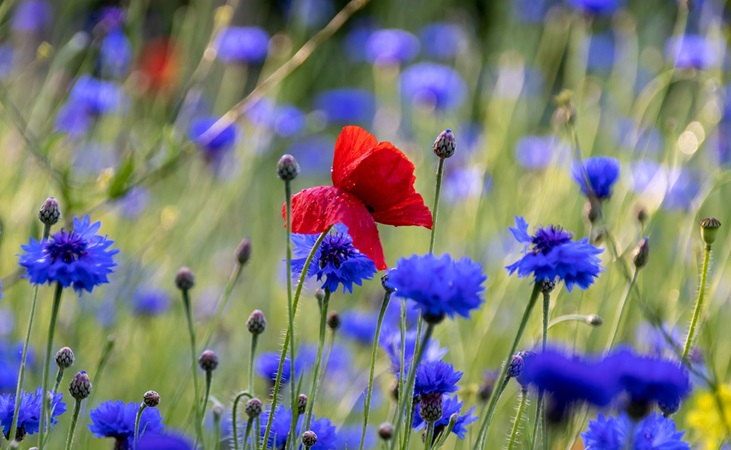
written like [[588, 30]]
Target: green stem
[[254, 341], [257, 443], [440, 171], [518, 418], [47, 364], [74, 419], [698, 303], [311, 398], [246, 433], [288, 335], [290, 309], [540, 406], [410, 407], [234, 417], [374, 350], [225, 297], [216, 431], [492, 405], [194, 359], [445, 433], [209, 377], [138, 417], [429, 434], [620, 312]]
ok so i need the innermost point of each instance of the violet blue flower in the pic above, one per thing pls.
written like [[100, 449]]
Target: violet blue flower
[[391, 46], [242, 44], [116, 419], [433, 85]]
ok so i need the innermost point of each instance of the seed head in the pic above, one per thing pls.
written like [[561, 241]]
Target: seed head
[[80, 386], [49, 213], [64, 358], [309, 438], [184, 279], [333, 320], [287, 168], [444, 145], [257, 323], [151, 399], [243, 251], [709, 226], [253, 408], [641, 253], [301, 403]]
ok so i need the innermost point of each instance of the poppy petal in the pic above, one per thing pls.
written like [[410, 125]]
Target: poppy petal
[[353, 144], [316, 209]]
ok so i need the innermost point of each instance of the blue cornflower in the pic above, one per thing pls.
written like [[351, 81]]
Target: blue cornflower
[[652, 433], [535, 152], [433, 85], [685, 185], [10, 355], [116, 419], [164, 441], [390, 341], [7, 54], [443, 40], [439, 286], [327, 438], [96, 97], [215, 146], [74, 119], [325, 431], [31, 16], [267, 364], [115, 53], [150, 302], [359, 326], [242, 44], [692, 51], [29, 415], [599, 7], [600, 49], [79, 258], [347, 106], [435, 378], [450, 405], [601, 171], [336, 259], [391, 46], [313, 153], [554, 255]]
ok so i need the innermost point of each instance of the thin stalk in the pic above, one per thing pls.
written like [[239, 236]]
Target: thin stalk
[[290, 312], [429, 434], [314, 387], [698, 303], [540, 406], [225, 297], [492, 405], [434, 211], [74, 419], [216, 431], [288, 335], [59, 378], [254, 341], [518, 418], [47, 364], [138, 417], [445, 433], [374, 350], [194, 359], [620, 312], [257, 443], [246, 433], [234, 418], [209, 378], [410, 407]]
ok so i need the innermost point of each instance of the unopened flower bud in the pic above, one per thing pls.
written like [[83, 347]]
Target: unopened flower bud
[[208, 360], [301, 403], [333, 320], [80, 386], [151, 399], [431, 407], [386, 285], [287, 168], [256, 323], [669, 406], [641, 253], [594, 320], [385, 431], [243, 251], [49, 213], [184, 279], [65, 358], [253, 408], [709, 226], [444, 145], [320, 295], [515, 368], [309, 438]]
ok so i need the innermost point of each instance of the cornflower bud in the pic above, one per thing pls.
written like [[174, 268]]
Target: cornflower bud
[[257, 323], [444, 145], [287, 168], [151, 399], [208, 360], [64, 358], [243, 251], [184, 279], [80, 386], [49, 213]]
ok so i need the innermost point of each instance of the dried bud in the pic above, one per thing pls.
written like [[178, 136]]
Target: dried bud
[[444, 144], [243, 251], [594, 320], [333, 320], [301, 403], [641, 253], [257, 323], [65, 358], [385, 431], [253, 408], [287, 168], [709, 225], [208, 360], [49, 213], [80, 386], [309, 438], [151, 399], [184, 279]]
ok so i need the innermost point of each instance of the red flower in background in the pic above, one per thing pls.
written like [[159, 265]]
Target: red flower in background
[[160, 63], [372, 182]]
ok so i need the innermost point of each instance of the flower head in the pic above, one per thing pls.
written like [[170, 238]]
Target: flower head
[[391, 46], [601, 171], [440, 286], [115, 54], [150, 302], [164, 441], [692, 51], [267, 365], [608, 433], [336, 259], [443, 40], [79, 258], [29, 415], [435, 378], [215, 146], [116, 419], [554, 255], [599, 7], [450, 405], [347, 106], [242, 44], [433, 85], [372, 182], [325, 431], [651, 433]]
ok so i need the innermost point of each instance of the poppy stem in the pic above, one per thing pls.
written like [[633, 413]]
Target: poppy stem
[[311, 398], [434, 211], [374, 350], [47, 365]]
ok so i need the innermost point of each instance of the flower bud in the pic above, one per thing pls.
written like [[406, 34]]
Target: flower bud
[[287, 168], [431, 407], [385, 431], [253, 408], [184, 279], [208, 360], [515, 368], [301, 403], [151, 399], [594, 320], [320, 295], [65, 358], [709, 226], [333, 320], [80, 386], [243, 251], [309, 438], [641, 253], [444, 145], [386, 285], [217, 411], [49, 213], [257, 323]]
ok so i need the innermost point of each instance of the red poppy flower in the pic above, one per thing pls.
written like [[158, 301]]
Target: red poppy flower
[[372, 182]]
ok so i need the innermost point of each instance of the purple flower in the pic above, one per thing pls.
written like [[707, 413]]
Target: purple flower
[[267, 365], [601, 52], [553, 255], [439, 286], [215, 146], [29, 414], [435, 378], [78, 258], [116, 419], [390, 341], [242, 44], [359, 326], [433, 85], [6, 60], [164, 441], [536, 152], [693, 51], [150, 302], [391, 46], [31, 16], [654, 432], [347, 106], [325, 431], [443, 40], [602, 172], [450, 405], [116, 54], [608, 433], [598, 7], [95, 96]]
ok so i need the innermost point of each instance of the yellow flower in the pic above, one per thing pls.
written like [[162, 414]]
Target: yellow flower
[[705, 418]]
